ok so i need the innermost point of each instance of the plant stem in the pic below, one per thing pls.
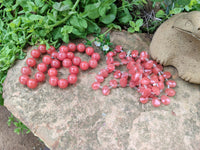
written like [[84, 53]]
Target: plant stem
[[67, 17], [75, 5]]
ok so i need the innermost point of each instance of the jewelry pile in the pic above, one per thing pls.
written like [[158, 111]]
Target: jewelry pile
[[143, 74]]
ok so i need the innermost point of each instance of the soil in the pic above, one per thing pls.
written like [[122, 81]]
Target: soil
[[9, 140]]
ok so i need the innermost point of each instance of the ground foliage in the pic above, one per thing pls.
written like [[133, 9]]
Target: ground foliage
[[28, 22]]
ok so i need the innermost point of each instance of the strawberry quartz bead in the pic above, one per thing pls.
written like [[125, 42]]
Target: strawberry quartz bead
[[170, 92], [146, 92], [42, 48], [51, 49], [39, 76], [61, 56], [26, 70], [35, 53], [113, 83], [70, 55], [148, 64], [23, 79], [110, 54], [96, 56], [63, 49], [156, 70], [130, 65], [55, 63], [110, 68], [124, 61], [156, 102], [118, 48], [72, 78], [47, 59], [123, 82], [167, 75], [84, 65], [161, 85], [67, 63], [93, 63], [74, 70], [99, 78], [156, 90], [136, 76], [31, 62], [144, 100], [122, 55], [42, 67], [132, 71], [32, 83], [145, 81], [53, 81], [95, 85], [117, 74], [76, 61], [132, 84], [109, 60], [72, 47], [104, 73], [129, 58], [54, 54], [52, 72], [165, 100], [116, 63], [134, 53], [171, 83], [81, 47], [147, 72], [105, 90], [89, 51], [62, 83], [144, 55], [161, 78], [154, 79], [125, 75]]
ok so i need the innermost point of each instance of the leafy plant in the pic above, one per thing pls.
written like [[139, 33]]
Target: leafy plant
[[20, 127], [135, 26]]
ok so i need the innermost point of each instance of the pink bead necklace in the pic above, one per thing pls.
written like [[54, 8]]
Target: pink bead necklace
[[144, 75]]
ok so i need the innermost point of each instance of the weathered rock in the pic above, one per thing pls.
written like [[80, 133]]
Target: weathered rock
[[176, 43], [83, 119]]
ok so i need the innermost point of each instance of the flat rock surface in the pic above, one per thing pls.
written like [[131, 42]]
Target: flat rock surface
[[83, 119]]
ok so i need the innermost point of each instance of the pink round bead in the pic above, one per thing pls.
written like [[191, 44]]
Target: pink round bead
[[105, 90], [170, 92], [165, 100], [99, 78], [113, 83], [95, 85]]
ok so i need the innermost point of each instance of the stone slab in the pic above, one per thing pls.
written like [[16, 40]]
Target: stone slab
[[83, 119]]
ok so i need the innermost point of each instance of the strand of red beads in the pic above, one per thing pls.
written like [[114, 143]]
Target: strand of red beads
[[146, 76], [53, 60]]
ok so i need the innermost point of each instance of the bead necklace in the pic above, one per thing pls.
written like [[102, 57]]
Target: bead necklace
[[50, 63], [144, 75]]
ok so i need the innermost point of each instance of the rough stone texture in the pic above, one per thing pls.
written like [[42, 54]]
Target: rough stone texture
[[176, 42], [83, 119]]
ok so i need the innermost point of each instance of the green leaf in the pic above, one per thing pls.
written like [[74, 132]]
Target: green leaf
[[124, 17], [139, 23], [160, 14], [34, 17], [110, 16], [1, 100], [62, 6], [82, 22], [176, 10], [132, 24], [91, 10], [131, 30], [65, 38], [115, 26], [66, 29], [92, 27]]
